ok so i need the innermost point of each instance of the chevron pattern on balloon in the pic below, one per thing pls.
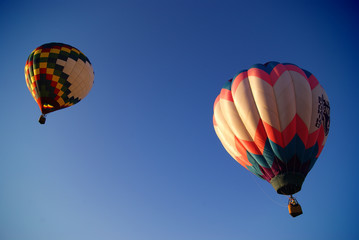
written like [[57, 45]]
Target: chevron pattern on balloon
[[273, 119]]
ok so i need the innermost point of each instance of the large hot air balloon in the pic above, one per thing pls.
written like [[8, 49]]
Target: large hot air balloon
[[58, 76], [274, 120]]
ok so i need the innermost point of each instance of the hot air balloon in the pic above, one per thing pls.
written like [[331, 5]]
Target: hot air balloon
[[58, 76], [274, 120]]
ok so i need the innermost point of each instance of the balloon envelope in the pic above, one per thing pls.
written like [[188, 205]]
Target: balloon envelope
[[274, 120], [58, 76]]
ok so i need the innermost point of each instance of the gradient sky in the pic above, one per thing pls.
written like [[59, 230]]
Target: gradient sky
[[138, 158]]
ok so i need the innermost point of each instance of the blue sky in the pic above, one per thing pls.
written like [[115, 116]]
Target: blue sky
[[138, 158]]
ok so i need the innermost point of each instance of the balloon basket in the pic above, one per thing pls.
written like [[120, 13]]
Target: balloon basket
[[294, 208], [42, 119]]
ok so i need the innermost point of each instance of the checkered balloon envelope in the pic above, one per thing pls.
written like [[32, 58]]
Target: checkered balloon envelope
[[58, 76]]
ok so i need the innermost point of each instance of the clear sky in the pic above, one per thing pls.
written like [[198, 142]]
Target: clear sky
[[138, 158]]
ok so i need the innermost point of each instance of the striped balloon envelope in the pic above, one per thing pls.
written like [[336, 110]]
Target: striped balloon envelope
[[274, 120], [58, 76]]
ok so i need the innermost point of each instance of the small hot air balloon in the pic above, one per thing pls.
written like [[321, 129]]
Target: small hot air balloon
[[58, 76], [274, 120]]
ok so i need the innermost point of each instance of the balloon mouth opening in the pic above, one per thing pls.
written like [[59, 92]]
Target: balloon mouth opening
[[48, 105], [288, 183]]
